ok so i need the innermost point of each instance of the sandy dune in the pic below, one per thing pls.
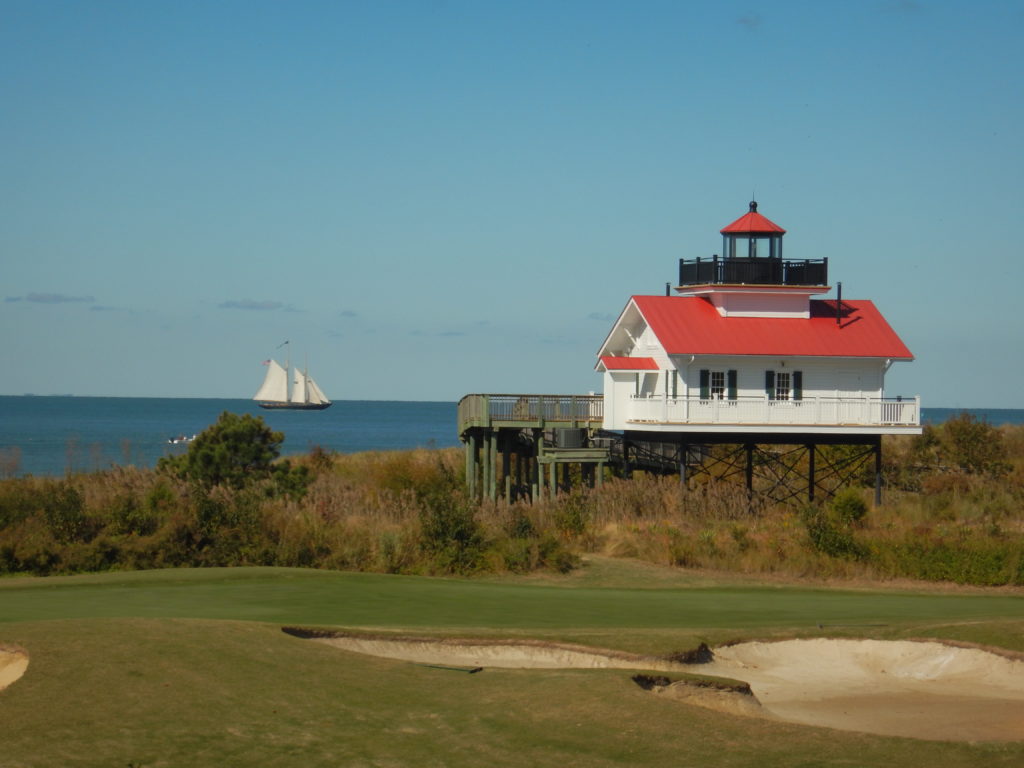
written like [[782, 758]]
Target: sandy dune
[[924, 690]]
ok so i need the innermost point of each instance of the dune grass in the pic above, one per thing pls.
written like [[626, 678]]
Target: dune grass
[[190, 667]]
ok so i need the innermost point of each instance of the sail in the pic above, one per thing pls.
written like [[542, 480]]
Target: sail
[[315, 395], [299, 390], [275, 385]]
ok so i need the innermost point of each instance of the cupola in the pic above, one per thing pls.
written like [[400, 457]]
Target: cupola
[[751, 235], [751, 278]]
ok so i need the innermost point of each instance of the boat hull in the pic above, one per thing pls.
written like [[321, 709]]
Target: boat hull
[[295, 406]]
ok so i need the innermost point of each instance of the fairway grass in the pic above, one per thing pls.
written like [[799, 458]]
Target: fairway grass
[[183, 668]]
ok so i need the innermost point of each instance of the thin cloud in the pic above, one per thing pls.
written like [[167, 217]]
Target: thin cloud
[[52, 298], [257, 306], [604, 317], [750, 21], [348, 313], [433, 334]]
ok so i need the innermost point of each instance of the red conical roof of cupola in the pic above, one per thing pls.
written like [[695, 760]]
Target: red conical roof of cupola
[[753, 223]]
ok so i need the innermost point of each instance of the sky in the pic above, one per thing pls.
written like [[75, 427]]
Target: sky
[[442, 197]]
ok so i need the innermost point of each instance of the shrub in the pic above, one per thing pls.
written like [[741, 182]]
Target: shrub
[[291, 481], [64, 510], [829, 535], [451, 534], [966, 444], [571, 513], [235, 451], [130, 516], [849, 506]]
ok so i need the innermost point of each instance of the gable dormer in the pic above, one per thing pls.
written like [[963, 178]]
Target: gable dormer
[[751, 279]]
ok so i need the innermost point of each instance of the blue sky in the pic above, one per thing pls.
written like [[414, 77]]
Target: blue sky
[[441, 197]]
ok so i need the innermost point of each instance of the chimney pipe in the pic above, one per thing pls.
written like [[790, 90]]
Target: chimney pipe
[[839, 302], [668, 289]]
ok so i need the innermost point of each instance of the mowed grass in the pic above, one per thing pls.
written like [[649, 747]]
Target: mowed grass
[[182, 668]]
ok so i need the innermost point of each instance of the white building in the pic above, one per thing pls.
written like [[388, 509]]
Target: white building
[[743, 349]]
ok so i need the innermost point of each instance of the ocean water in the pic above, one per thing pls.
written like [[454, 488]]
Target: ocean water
[[55, 435]]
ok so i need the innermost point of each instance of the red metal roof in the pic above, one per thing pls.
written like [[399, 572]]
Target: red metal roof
[[629, 363], [692, 326], [753, 223]]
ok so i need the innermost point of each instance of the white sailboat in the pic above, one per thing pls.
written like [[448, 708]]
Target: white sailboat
[[305, 394]]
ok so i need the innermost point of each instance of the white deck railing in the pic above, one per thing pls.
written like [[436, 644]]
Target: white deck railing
[[817, 411]]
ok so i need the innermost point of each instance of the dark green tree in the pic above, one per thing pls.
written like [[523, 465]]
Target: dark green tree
[[234, 452]]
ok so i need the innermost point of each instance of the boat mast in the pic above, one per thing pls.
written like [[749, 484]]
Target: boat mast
[[287, 369]]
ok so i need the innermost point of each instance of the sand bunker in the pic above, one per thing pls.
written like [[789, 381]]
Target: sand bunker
[[484, 653], [13, 663], [924, 690]]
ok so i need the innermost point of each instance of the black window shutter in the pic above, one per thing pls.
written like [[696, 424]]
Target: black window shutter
[[798, 385], [769, 384], [705, 384], [730, 379]]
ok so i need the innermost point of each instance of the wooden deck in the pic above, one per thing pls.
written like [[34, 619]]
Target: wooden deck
[[530, 411], [520, 440]]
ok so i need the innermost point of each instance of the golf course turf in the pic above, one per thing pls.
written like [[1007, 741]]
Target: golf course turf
[[190, 667]]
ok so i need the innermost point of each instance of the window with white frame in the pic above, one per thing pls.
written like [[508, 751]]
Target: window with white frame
[[718, 385], [782, 385]]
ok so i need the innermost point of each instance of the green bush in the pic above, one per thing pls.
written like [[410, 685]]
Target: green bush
[[964, 443], [451, 534], [982, 563], [235, 451], [19, 498], [572, 513], [64, 510], [849, 506], [829, 535], [131, 516]]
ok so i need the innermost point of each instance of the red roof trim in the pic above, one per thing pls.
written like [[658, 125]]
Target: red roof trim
[[629, 363], [753, 223], [692, 326]]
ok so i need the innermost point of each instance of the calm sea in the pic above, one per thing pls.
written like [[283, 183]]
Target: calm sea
[[54, 435]]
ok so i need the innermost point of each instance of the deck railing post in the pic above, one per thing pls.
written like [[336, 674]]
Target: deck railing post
[[506, 469], [471, 463], [492, 458]]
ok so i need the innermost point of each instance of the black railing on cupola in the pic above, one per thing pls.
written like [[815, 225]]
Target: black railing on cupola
[[755, 271]]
